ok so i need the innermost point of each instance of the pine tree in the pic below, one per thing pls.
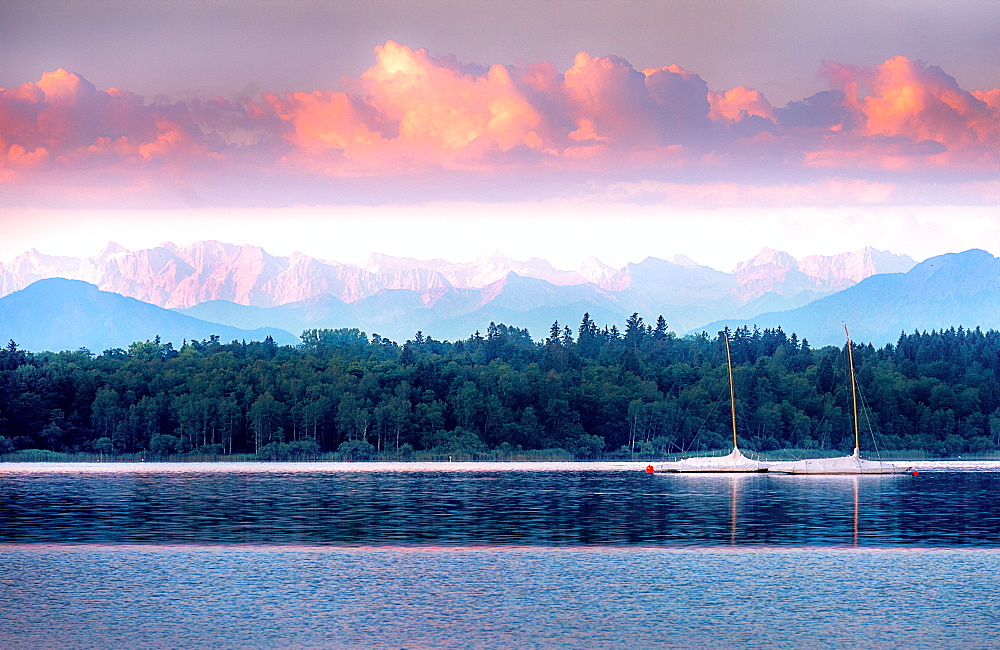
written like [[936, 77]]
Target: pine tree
[[660, 331]]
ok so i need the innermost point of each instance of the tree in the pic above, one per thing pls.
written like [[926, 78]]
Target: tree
[[634, 330], [265, 417], [647, 390], [555, 333], [164, 445], [660, 331], [324, 341], [106, 413], [353, 418]]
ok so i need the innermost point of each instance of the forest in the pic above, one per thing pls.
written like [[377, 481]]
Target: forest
[[589, 392]]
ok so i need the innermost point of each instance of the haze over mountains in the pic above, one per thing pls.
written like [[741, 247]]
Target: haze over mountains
[[953, 290], [183, 276], [243, 293], [245, 287]]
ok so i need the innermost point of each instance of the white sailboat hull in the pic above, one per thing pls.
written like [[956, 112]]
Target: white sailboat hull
[[734, 461], [853, 464]]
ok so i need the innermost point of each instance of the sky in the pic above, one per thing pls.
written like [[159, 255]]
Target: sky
[[558, 129]]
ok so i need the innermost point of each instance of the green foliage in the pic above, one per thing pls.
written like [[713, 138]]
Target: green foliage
[[600, 393], [298, 450], [356, 450], [162, 446], [102, 446], [36, 456], [328, 341]]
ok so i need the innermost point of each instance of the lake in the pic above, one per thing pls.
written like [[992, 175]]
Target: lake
[[494, 555]]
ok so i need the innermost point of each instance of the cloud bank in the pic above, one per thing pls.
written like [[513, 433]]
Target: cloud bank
[[418, 127]]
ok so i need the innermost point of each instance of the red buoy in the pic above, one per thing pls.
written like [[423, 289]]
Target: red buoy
[[649, 469], [915, 472]]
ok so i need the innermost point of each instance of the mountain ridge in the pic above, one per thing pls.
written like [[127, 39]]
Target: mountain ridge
[[395, 296], [950, 290], [59, 314], [181, 276]]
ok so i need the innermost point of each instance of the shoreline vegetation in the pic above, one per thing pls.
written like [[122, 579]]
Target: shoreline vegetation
[[588, 394], [537, 456]]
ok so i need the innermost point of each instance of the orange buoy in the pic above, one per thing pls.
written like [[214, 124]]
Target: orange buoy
[[649, 469]]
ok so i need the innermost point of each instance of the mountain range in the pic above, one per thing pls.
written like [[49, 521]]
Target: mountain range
[[878, 294], [245, 287]]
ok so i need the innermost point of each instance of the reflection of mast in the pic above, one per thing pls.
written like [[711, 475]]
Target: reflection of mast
[[855, 481], [732, 510]]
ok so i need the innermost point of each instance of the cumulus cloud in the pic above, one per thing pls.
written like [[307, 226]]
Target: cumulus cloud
[[914, 114], [415, 117]]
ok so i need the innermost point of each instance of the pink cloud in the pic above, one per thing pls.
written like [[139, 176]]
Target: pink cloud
[[990, 97], [608, 101], [912, 106], [416, 115], [682, 95], [739, 103], [62, 120], [442, 108]]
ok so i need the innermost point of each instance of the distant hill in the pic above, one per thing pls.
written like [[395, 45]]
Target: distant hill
[[452, 314], [957, 289], [57, 314]]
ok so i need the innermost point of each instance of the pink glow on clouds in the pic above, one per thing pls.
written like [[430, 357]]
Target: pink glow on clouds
[[739, 103], [415, 115]]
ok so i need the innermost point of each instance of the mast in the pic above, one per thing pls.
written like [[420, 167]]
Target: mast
[[732, 394], [854, 388]]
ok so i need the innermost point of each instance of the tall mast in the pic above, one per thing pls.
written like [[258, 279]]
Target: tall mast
[[854, 388], [732, 394]]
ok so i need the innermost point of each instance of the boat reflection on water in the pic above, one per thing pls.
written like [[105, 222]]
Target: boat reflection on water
[[734, 482], [825, 483], [837, 484], [863, 497], [753, 509], [616, 507]]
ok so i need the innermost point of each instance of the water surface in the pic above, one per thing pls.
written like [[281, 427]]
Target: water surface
[[494, 555], [540, 506], [524, 597]]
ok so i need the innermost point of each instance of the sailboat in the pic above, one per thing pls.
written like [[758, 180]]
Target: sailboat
[[853, 464], [734, 461]]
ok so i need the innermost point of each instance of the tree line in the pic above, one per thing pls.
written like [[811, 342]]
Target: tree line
[[588, 391]]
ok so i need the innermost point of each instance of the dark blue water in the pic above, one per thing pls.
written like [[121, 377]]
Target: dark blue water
[[536, 508], [488, 559]]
